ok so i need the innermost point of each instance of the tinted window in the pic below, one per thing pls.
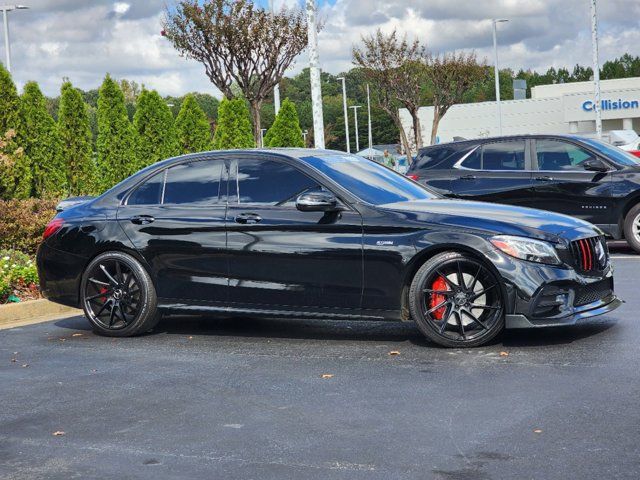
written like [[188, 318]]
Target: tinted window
[[269, 182], [149, 193], [368, 180], [474, 160], [503, 156], [613, 153], [196, 183], [557, 156], [433, 157]]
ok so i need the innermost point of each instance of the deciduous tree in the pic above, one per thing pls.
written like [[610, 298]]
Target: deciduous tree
[[76, 138], [239, 42], [234, 128], [115, 144], [285, 131], [192, 127], [155, 133], [450, 76], [42, 145]]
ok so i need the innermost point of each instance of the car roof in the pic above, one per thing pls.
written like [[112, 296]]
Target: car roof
[[472, 141]]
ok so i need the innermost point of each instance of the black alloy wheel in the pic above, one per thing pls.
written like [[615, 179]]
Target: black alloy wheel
[[118, 297], [457, 301]]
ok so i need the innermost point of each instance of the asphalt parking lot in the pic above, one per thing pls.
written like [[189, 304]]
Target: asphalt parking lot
[[206, 398]]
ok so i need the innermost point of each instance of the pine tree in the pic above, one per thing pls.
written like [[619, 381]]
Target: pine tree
[[42, 144], [115, 144], [285, 131], [192, 127], [15, 169], [155, 133], [76, 139], [234, 127]]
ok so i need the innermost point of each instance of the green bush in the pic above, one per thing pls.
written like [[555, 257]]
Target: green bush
[[285, 131], [22, 223], [234, 126], [18, 274]]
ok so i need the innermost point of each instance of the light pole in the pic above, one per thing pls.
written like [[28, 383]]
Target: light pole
[[262, 130], [304, 137], [7, 47], [355, 116], [314, 73], [346, 111], [276, 89], [596, 67], [496, 70], [369, 118]]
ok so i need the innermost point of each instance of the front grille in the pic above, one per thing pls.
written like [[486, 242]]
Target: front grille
[[593, 292], [590, 254]]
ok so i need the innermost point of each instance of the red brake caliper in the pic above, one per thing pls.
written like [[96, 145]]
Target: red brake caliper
[[437, 298], [103, 290]]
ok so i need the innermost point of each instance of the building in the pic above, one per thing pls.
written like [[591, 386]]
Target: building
[[558, 108]]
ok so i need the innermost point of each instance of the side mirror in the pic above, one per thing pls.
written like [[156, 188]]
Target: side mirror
[[317, 202], [595, 165]]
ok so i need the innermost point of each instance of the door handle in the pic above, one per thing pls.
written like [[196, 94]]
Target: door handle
[[142, 219], [544, 178], [248, 218], [468, 177]]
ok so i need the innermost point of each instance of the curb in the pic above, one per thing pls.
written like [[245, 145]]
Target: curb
[[33, 311]]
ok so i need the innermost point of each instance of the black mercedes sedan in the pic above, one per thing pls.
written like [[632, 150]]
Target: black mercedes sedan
[[318, 234], [577, 176]]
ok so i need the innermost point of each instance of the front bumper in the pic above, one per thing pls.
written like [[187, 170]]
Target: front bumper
[[540, 295]]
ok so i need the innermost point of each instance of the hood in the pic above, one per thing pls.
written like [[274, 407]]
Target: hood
[[495, 219]]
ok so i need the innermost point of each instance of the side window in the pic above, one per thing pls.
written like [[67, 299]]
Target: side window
[[150, 192], [270, 183], [503, 155], [433, 157], [195, 183], [558, 156], [474, 160]]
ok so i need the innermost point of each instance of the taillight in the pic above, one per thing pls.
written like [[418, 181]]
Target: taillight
[[415, 178], [52, 227]]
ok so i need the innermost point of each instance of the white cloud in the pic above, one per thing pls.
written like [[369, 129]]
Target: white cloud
[[84, 40]]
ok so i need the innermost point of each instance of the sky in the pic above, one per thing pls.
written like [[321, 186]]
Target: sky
[[84, 39]]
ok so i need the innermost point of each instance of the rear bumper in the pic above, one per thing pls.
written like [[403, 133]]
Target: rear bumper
[[60, 273]]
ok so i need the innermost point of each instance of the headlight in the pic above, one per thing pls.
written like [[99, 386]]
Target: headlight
[[527, 249]]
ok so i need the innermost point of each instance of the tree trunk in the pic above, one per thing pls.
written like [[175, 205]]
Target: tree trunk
[[434, 126], [417, 128], [255, 116]]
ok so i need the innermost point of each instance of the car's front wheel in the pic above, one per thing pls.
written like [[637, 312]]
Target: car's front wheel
[[118, 296], [632, 228], [457, 301]]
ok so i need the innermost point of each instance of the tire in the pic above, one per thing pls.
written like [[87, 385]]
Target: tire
[[456, 301], [632, 228], [118, 296]]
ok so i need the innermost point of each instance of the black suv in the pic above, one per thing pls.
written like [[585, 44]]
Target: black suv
[[577, 176]]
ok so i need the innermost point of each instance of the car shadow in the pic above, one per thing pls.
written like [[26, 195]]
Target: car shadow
[[330, 330]]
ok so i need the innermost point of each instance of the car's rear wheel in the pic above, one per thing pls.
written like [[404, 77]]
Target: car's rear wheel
[[457, 301], [632, 228], [118, 296]]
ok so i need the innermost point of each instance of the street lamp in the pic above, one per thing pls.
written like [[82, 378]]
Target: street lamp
[[7, 47], [497, 72], [304, 136], [596, 67], [355, 116], [369, 117], [314, 74], [262, 130], [346, 112]]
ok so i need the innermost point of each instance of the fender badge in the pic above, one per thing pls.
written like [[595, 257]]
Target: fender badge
[[384, 242]]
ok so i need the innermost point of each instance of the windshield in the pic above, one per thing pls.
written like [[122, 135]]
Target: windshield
[[614, 153], [368, 180]]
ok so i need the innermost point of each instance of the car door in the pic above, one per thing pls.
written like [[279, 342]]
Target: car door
[[563, 185], [497, 172], [176, 220], [282, 257]]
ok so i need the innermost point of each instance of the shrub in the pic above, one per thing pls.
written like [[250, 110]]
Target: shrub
[[234, 126], [285, 131], [22, 223], [18, 275], [155, 133], [192, 126]]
